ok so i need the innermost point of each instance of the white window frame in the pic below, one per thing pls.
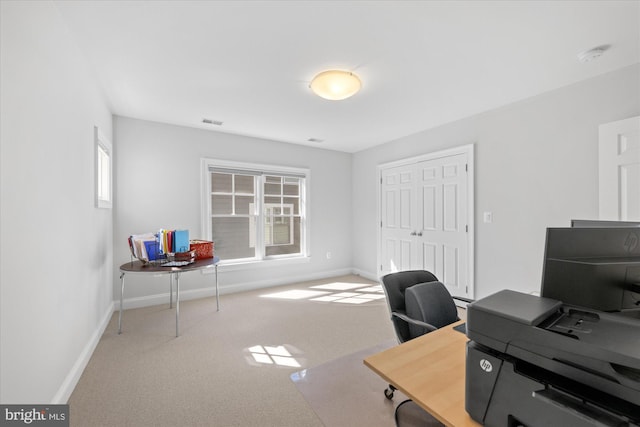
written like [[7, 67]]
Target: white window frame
[[207, 164], [272, 221], [103, 170]]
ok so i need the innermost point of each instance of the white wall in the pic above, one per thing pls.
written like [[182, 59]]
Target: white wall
[[536, 167], [148, 199], [56, 248]]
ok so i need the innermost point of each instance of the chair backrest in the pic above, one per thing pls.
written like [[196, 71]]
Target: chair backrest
[[395, 285], [430, 303]]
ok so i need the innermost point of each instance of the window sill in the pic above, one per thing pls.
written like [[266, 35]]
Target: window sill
[[266, 263]]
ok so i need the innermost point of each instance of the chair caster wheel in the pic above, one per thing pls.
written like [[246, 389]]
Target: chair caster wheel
[[388, 393]]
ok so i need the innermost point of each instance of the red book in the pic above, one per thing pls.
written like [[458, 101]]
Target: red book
[[170, 240]]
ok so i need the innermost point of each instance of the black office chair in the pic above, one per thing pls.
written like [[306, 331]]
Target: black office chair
[[409, 414], [418, 304]]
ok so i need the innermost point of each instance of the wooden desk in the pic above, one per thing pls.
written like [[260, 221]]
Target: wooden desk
[[431, 371], [137, 267]]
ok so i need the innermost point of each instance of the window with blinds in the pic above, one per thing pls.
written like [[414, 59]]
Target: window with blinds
[[254, 212]]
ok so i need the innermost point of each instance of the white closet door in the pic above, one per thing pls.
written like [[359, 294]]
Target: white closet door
[[397, 214], [619, 170], [426, 209], [442, 223]]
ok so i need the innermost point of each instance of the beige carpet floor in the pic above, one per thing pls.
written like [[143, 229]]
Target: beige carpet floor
[[233, 367], [344, 392]]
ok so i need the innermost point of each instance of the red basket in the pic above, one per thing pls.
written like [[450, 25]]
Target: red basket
[[203, 248]]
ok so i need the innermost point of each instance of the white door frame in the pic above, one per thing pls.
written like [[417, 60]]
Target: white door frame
[[469, 150], [618, 151]]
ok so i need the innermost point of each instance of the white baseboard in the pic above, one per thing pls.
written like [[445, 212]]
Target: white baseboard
[[163, 298], [72, 378], [366, 274], [260, 284]]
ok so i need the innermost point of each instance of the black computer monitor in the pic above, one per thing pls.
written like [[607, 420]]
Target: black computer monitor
[[598, 268], [598, 223]]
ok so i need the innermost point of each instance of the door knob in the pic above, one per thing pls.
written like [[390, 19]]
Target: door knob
[[413, 233], [420, 233]]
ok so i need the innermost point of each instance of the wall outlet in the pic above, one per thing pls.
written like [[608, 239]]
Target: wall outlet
[[328, 255], [488, 217]]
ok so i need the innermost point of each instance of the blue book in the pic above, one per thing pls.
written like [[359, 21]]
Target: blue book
[[181, 241], [152, 249]]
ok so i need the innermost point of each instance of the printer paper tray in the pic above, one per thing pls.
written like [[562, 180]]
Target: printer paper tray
[[591, 414]]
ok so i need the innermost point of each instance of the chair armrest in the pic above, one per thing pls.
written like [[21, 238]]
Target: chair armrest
[[408, 319]]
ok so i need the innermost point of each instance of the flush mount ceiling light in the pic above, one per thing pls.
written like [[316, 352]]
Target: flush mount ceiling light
[[591, 54], [335, 85]]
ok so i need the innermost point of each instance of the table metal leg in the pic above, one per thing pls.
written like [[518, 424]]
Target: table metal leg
[[171, 291], [121, 297], [177, 304], [217, 295]]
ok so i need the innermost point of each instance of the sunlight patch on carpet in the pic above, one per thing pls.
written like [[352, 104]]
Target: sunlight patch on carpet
[[352, 293], [349, 298], [272, 355], [295, 294], [375, 288], [339, 286]]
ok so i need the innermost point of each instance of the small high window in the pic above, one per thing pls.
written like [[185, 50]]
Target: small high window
[[103, 170]]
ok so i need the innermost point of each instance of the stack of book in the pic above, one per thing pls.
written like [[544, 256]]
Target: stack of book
[[156, 246], [173, 241]]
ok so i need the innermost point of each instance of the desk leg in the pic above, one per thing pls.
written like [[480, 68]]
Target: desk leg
[[217, 294], [121, 297], [171, 291], [177, 304]]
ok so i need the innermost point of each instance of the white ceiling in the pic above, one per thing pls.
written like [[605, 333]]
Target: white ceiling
[[422, 63]]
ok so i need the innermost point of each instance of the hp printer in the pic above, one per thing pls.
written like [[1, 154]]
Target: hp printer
[[535, 361]]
